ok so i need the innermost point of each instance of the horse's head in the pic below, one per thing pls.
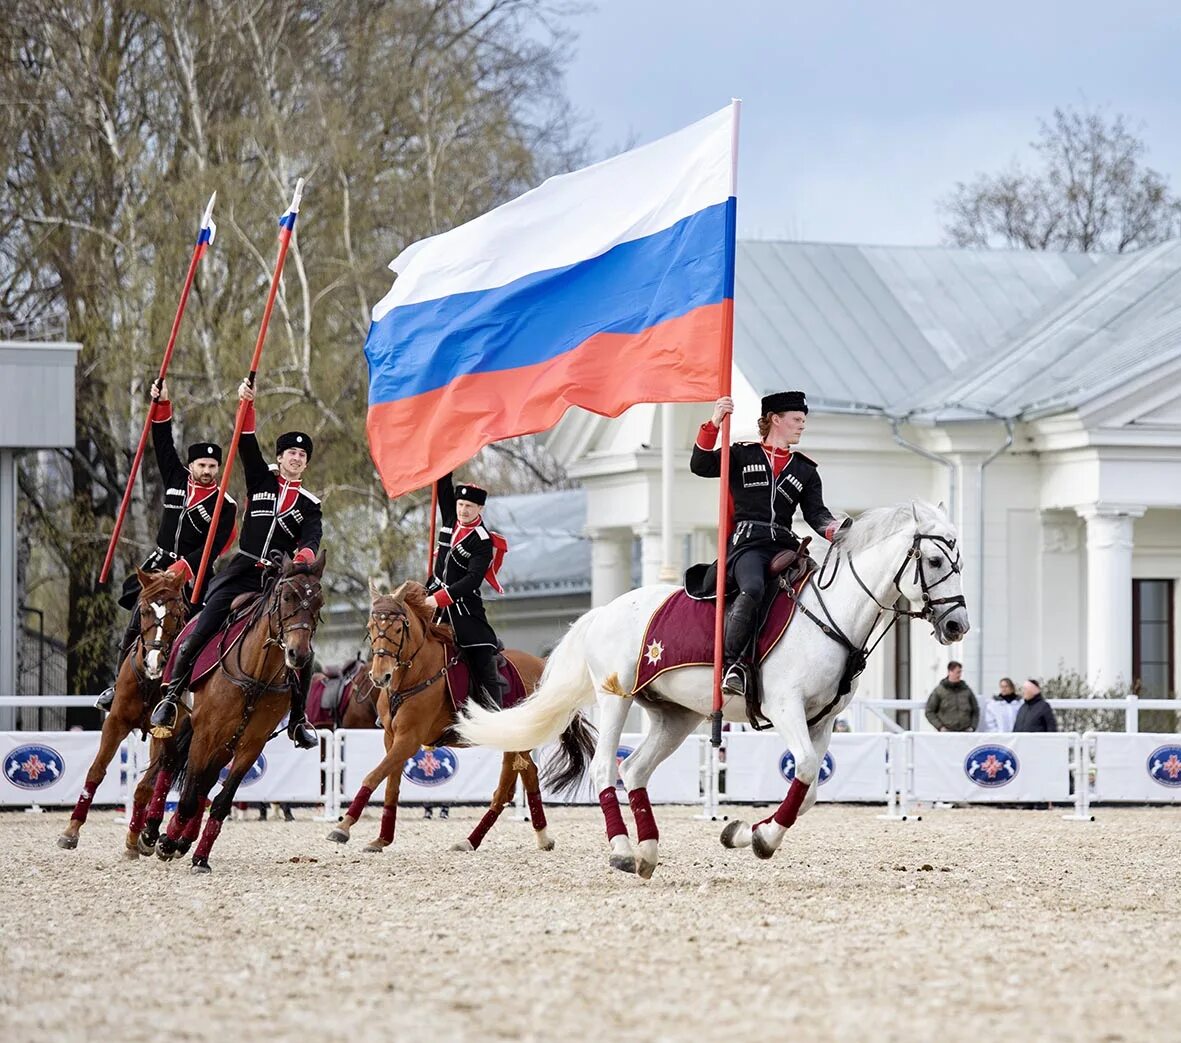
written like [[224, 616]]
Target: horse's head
[[295, 608], [400, 623], [162, 615], [931, 576]]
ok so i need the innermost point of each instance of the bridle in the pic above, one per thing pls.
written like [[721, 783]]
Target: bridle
[[277, 620], [382, 622], [162, 610]]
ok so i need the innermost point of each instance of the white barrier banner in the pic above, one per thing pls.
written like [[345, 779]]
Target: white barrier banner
[[676, 780], [759, 768], [989, 767], [50, 768], [439, 776], [282, 773], [1141, 767]]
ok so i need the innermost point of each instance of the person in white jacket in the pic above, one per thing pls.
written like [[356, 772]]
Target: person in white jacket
[[1001, 710]]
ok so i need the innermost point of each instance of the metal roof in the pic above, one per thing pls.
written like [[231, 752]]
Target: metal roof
[[881, 325], [548, 550]]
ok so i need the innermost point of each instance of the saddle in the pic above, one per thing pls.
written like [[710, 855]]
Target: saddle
[[330, 692], [242, 611], [459, 682]]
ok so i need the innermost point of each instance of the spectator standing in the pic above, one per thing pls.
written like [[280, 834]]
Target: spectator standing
[[1035, 715], [1001, 710], [952, 706]]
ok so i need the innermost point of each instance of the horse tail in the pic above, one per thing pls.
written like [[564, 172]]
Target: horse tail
[[566, 767], [175, 758], [565, 685]]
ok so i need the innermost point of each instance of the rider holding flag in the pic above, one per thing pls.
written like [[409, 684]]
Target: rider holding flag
[[189, 490], [768, 481], [282, 518]]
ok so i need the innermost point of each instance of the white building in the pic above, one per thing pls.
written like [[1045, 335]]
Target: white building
[[1036, 394]]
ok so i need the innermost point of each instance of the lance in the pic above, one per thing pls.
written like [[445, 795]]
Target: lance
[[725, 366], [430, 545], [286, 230], [204, 237]]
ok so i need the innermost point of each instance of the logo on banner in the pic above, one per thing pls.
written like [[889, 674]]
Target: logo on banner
[[787, 767], [431, 767], [34, 766], [991, 766], [1164, 765], [621, 754], [256, 771]]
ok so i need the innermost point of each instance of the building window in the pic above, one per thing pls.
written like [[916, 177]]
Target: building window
[[1152, 637]]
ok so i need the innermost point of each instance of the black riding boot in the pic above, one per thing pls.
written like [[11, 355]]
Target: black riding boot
[[298, 730], [104, 701], [489, 688], [166, 713], [740, 623]]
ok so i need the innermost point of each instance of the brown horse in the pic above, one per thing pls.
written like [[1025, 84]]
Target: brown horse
[[411, 654], [238, 705], [358, 694], [162, 614]]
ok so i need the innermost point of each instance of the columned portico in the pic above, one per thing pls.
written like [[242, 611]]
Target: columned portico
[[611, 564], [1109, 592]]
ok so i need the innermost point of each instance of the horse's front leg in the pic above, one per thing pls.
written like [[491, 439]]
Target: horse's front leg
[[387, 768], [536, 806]]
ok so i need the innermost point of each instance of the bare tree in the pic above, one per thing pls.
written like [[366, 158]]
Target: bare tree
[[1089, 190]]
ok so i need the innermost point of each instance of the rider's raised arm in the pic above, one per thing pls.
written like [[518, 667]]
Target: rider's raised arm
[[167, 459], [254, 464], [446, 495], [706, 461]]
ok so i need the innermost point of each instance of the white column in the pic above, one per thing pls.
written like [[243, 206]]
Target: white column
[[8, 603], [611, 564], [668, 557], [1109, 593]]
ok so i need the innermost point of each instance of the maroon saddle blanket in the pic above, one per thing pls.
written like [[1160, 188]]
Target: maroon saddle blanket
[[329, 696], [458, 682], [210, 655], [681, 633]]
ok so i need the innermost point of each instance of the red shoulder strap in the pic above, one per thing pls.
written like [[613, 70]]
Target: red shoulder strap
[[499, 550]]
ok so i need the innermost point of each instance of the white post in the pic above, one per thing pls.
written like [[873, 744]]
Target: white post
[[9, 616], [1132, 714], [668, 569], [1109, 593]]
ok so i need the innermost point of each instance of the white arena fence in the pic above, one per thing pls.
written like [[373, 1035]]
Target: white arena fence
[[900, 770]]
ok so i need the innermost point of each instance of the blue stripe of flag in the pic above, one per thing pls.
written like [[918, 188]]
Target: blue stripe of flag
[[288, 220]]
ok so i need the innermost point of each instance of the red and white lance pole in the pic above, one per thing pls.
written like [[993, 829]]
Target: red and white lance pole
[[286, 230], [725, 366], [205, 236]]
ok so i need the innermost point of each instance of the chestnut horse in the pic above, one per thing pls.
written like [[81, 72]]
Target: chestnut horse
[[162, 613], [238, 705], [411, 654]]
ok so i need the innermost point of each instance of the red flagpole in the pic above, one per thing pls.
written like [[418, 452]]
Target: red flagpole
[[725, 367], [430, 547], [285, 234], [198, 253]]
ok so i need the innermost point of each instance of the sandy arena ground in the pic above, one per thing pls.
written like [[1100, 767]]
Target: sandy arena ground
[[1023, 926]]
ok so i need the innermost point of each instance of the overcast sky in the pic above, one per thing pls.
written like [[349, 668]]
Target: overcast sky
[[858, 116]]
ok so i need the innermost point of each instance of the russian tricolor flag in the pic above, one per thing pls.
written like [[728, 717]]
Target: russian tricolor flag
[[208, 230], [602, 288]]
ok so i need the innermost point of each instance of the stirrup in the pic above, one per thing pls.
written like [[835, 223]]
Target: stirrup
[[106, 700], [164, 718], [303, 735], [734, 683]]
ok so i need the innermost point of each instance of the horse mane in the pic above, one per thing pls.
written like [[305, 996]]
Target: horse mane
[[162, 582], [880, 523], [413, 594]]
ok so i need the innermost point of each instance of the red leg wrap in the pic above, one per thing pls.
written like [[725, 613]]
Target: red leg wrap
[[609, 802], [536, 810], [359, 802], [82, 808], [159, 795], [786, 813], [642, 810], [389, 817], [139, 816], [193, 827], [478, 834], [212, 828], [175, 827]]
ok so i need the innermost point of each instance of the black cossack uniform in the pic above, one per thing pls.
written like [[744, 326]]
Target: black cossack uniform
[[764, 507], [459, 571]]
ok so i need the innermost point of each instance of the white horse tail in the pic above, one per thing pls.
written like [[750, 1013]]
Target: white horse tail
[[564, 688]]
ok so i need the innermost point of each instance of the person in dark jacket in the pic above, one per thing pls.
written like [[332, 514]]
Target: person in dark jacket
[[1035, 715], [769, 479], [952, 706]]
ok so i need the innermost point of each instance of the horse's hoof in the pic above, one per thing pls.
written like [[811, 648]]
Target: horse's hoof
[[166, 850], [338, 836], [130, 852], [201, 865], [624, 863], [759, 846], [645, 869], [375, 847], [549, 845], [731, 830], [68, 841], [144, 846], [463, 845], [182, 847]]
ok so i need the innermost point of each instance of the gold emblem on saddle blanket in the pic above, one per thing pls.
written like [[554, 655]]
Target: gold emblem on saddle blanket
[[655, 652]]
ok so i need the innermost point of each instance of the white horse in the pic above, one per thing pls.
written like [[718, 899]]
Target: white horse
[[908, 550]]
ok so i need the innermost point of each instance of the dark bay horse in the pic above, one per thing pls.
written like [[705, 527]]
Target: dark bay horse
[[411, 654], [162, 613], [238, 705]]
